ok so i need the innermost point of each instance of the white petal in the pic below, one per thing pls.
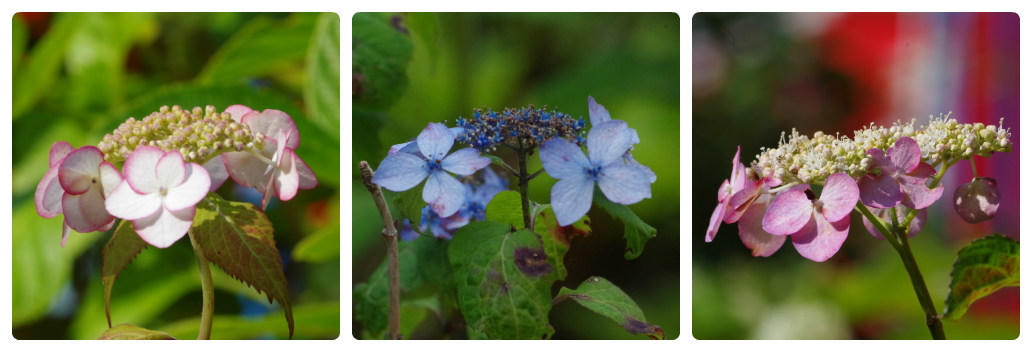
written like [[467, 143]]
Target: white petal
[[306, 178], [125, 203], [287, 178], [170, 170], [624, 184], [164, 227], [109, 178], [444, 193], [237, 112], [79, 170], [140, 167], [465, 161], [216, 168], [562, 159], [191, 191], [247, 170], [608, 141], [48, 195], [400, 172], [435, 141], [571, 199], [85, 212]]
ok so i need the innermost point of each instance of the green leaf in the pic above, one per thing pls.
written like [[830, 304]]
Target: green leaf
[[139, 304], [410, 205], [40, 69], [97, 52], [319, 246], [502, 279], [120, 250], [432, 254], [133, 332], [982, 267], [322, 78], [601, 296], [556, 239], [505, 208], [380, 57], [371, 297], [263, 45], [19, 40], [496, 160], [237, 237], [318, 320], [636, 231]]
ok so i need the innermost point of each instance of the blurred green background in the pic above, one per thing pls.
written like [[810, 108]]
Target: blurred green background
[[757, 74], [455, 62], [78, 75]]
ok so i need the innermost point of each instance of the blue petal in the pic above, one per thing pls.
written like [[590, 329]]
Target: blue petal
[[444, 193], [408, 147], [563, 159], [597, 113], [435, 141], [571, 199], [465, 161], [400, 171], [629, 160], [624, 184], [608, 141]]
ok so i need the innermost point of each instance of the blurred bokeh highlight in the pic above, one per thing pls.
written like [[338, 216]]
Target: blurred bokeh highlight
[[755, 75]]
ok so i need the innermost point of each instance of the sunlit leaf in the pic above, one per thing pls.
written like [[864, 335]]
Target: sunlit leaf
[[502, 281], [261, 46], [322, 78], [41, 67], [119, 251], [982, 267], [556, 239], [603, 297], [636, 231], [319, 320], [505, 208], [133, 332], [319, 246], [237, 237], [97, 52]]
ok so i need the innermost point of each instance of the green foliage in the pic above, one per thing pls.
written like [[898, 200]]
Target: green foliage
[[603, 297], [322, 80], [40, 69], [410, 205], [262, 46], [120, 250], [371, 297], [982, 267], [237, 237], [502, 281], [321, 320], [556, 239], [380, 56], [133, 332], [505, 208], [636, 231], [319, 246]]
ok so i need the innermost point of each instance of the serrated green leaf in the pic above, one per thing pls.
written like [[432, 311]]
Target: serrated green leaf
[[261, 46], [505, 208], [371, 297], [636, 231], [982, 267], [322, 76], [603, 297], [237, 237], [133, 332], [502, 280], [556, 239], [119, 251], [380, 57]]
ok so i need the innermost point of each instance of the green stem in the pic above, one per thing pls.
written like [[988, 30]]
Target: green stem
[[207, 291], [521, 154], [974, 170], [931, 317]]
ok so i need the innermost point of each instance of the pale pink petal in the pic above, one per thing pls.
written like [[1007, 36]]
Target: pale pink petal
[[839, 196], [247, 170], [714, 220], [904, 154], [750, 229], [85, 212], [571, 199], [915, 194], [48, 195], [163, 228], [444, 193], [271, 123], [216, 168], [978, 200], [923, 170], [742, 200], [435, 141], [788, 212], [237, 112], [192, 190], [59, 151], [737, 172], [624, 184], [820, 239], [78, 172], [878, 159], [724, 192], [287, 179], [607, 142], [306, 178], [562, 159], [879, 191], [597, 113], [465, 161], [140, 169], [125, 203], [170, 170], [109, 178]]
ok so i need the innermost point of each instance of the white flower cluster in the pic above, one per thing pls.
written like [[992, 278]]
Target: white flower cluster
[[803, 159]]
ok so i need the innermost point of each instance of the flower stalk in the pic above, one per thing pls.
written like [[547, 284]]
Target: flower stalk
[[521, 154], [207, 291]]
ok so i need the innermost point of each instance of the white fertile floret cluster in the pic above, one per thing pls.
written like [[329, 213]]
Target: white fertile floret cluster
[[803, 159]]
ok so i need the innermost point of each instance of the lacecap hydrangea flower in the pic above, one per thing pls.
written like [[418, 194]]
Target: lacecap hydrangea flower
[[900, 177], [818, 226], [76, 185]]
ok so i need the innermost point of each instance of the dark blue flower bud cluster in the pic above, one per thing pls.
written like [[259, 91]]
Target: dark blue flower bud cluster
[[525, 127]]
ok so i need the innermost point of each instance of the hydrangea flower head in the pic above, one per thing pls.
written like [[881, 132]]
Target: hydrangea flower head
[[818, 226], [727, 189], [275, 169], [76, 185], [159, 194], [577, 174], [478, 196], [527, 126], [750, 229], [599, 114], [902, 178], [901, 213], [401, 170], [977, 201]]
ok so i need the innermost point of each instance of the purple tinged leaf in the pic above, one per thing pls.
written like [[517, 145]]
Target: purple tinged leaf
[[562, 159], [623, 184], [839, 196], [465, 161], [434, 141], [571, 199], [788, 213], [532, 261], [444, 193], [977, 201], [607, 142], [750, 229], [821, 239], [400, 172], [905, 154]]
